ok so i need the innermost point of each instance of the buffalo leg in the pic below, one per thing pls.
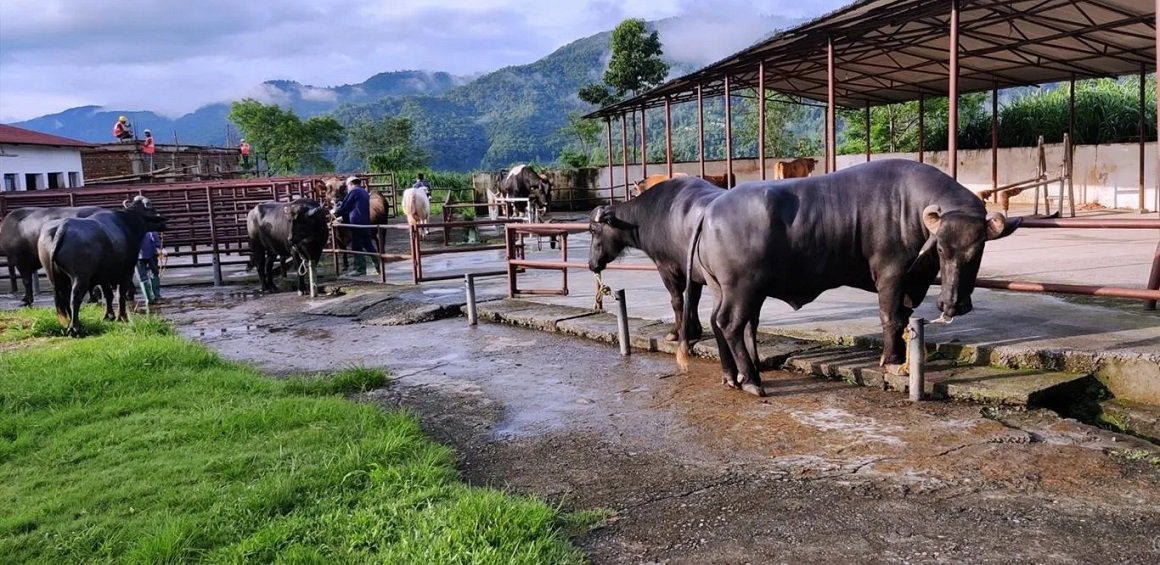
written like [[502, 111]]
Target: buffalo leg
[[26, 278], [675, 284], [107, 290], [60, 299], [95, 294], [736, 316], [893, 315], [79, 292], [269, 284], [728, 364], [126, 287], [694, 322]]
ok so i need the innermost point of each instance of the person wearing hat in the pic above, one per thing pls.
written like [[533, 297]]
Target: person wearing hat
[[122, 130], [355, 208], [148, 149]]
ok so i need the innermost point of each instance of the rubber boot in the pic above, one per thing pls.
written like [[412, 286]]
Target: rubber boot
[[155, 283], [145, 293], [360, 265]]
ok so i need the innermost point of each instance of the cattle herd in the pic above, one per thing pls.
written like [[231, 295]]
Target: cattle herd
[[889, 227]]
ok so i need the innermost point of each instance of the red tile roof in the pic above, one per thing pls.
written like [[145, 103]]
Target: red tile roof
[[13, 134]]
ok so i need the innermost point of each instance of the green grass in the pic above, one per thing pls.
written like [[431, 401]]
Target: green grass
[[135, 445]]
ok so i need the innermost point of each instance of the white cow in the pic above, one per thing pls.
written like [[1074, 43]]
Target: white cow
[[417, 206]]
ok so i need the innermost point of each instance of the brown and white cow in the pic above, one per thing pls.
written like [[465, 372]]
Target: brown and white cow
[[797, 168]]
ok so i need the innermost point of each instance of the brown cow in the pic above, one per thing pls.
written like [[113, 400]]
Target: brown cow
[[652, 180], [723, 181], [797, 168]]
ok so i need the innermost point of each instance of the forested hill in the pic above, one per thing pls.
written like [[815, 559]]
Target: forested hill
[[503, 117]]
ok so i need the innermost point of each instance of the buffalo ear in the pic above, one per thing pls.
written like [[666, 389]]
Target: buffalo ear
[[932, 217], [603, 215], [998, 226]]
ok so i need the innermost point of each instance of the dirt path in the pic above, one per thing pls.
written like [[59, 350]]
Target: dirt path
[[695, 473]]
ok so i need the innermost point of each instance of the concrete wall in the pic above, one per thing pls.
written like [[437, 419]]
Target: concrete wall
[[1107, 174], [119, 159], [40, 161]]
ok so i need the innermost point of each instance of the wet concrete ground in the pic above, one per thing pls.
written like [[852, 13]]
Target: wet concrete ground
[[692, 472]]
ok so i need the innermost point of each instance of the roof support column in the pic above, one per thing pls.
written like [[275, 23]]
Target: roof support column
[[611, 166], [669, 135], [701, 129], [761, 118], [831, 136], [994, 140], [1154, 278], [624, 150], [1140, 204], [728, 136], [1071, 109], [867, 117], [922, 125], [953, 96], [643, 142]]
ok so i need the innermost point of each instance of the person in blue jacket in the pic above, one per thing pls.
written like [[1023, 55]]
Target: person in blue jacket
[[148, 267], [355, 208]]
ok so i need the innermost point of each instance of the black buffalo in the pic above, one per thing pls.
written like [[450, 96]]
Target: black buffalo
[[100, 249], [20, 231], [524, 182], [659, 222], [295, 230], [872, 226]]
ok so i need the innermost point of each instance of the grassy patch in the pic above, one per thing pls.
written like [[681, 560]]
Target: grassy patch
[[136, 445]]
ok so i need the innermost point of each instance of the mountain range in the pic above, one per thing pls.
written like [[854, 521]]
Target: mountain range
[[493, 120]]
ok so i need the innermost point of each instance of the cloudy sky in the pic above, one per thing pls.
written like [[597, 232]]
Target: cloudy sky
[[173, 56]]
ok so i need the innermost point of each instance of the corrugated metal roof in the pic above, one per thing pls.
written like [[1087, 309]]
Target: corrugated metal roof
[[13, 134], [895, 51]]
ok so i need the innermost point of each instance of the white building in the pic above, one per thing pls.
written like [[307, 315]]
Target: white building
[[30, 160]]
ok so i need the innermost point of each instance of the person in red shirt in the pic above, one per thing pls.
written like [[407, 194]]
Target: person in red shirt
[[245, 149], [148, 149]]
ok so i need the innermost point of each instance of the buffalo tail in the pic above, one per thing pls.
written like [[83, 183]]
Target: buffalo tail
[[686, 307]]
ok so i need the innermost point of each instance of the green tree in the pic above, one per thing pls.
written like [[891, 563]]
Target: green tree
[[791, 127], [387, 145], [581, 141], [288, 144]]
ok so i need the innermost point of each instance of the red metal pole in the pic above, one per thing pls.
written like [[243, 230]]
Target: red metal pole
[[1140, 204], [953, 95], [1082, 289], [624, 151], [728, 137], [761, 117], [1154, 278], [995, 139], [669, 136], [831, 136], [643, 142], [922, 125], [867, 116], [611, 167], [701, 129]]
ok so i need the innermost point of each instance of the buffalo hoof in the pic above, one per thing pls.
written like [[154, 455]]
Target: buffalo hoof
[[896, 369], [74, 332], [753, 388], [671, 336], [729, 381], [26, 303], [109, 317], [122, 318]]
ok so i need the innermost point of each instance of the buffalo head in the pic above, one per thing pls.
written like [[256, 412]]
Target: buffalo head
[[958, 238], [309, 227], [609, 238], [141, 206]]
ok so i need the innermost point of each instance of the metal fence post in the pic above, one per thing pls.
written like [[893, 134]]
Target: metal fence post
[[917, 354], [622, 322], [216, 256], [472, 316]]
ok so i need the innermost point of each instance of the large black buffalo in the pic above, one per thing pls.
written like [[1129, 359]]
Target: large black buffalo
[[871, 226], [659, 222], [524, 182], [295, 230], [20, 231], [100, 249]]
